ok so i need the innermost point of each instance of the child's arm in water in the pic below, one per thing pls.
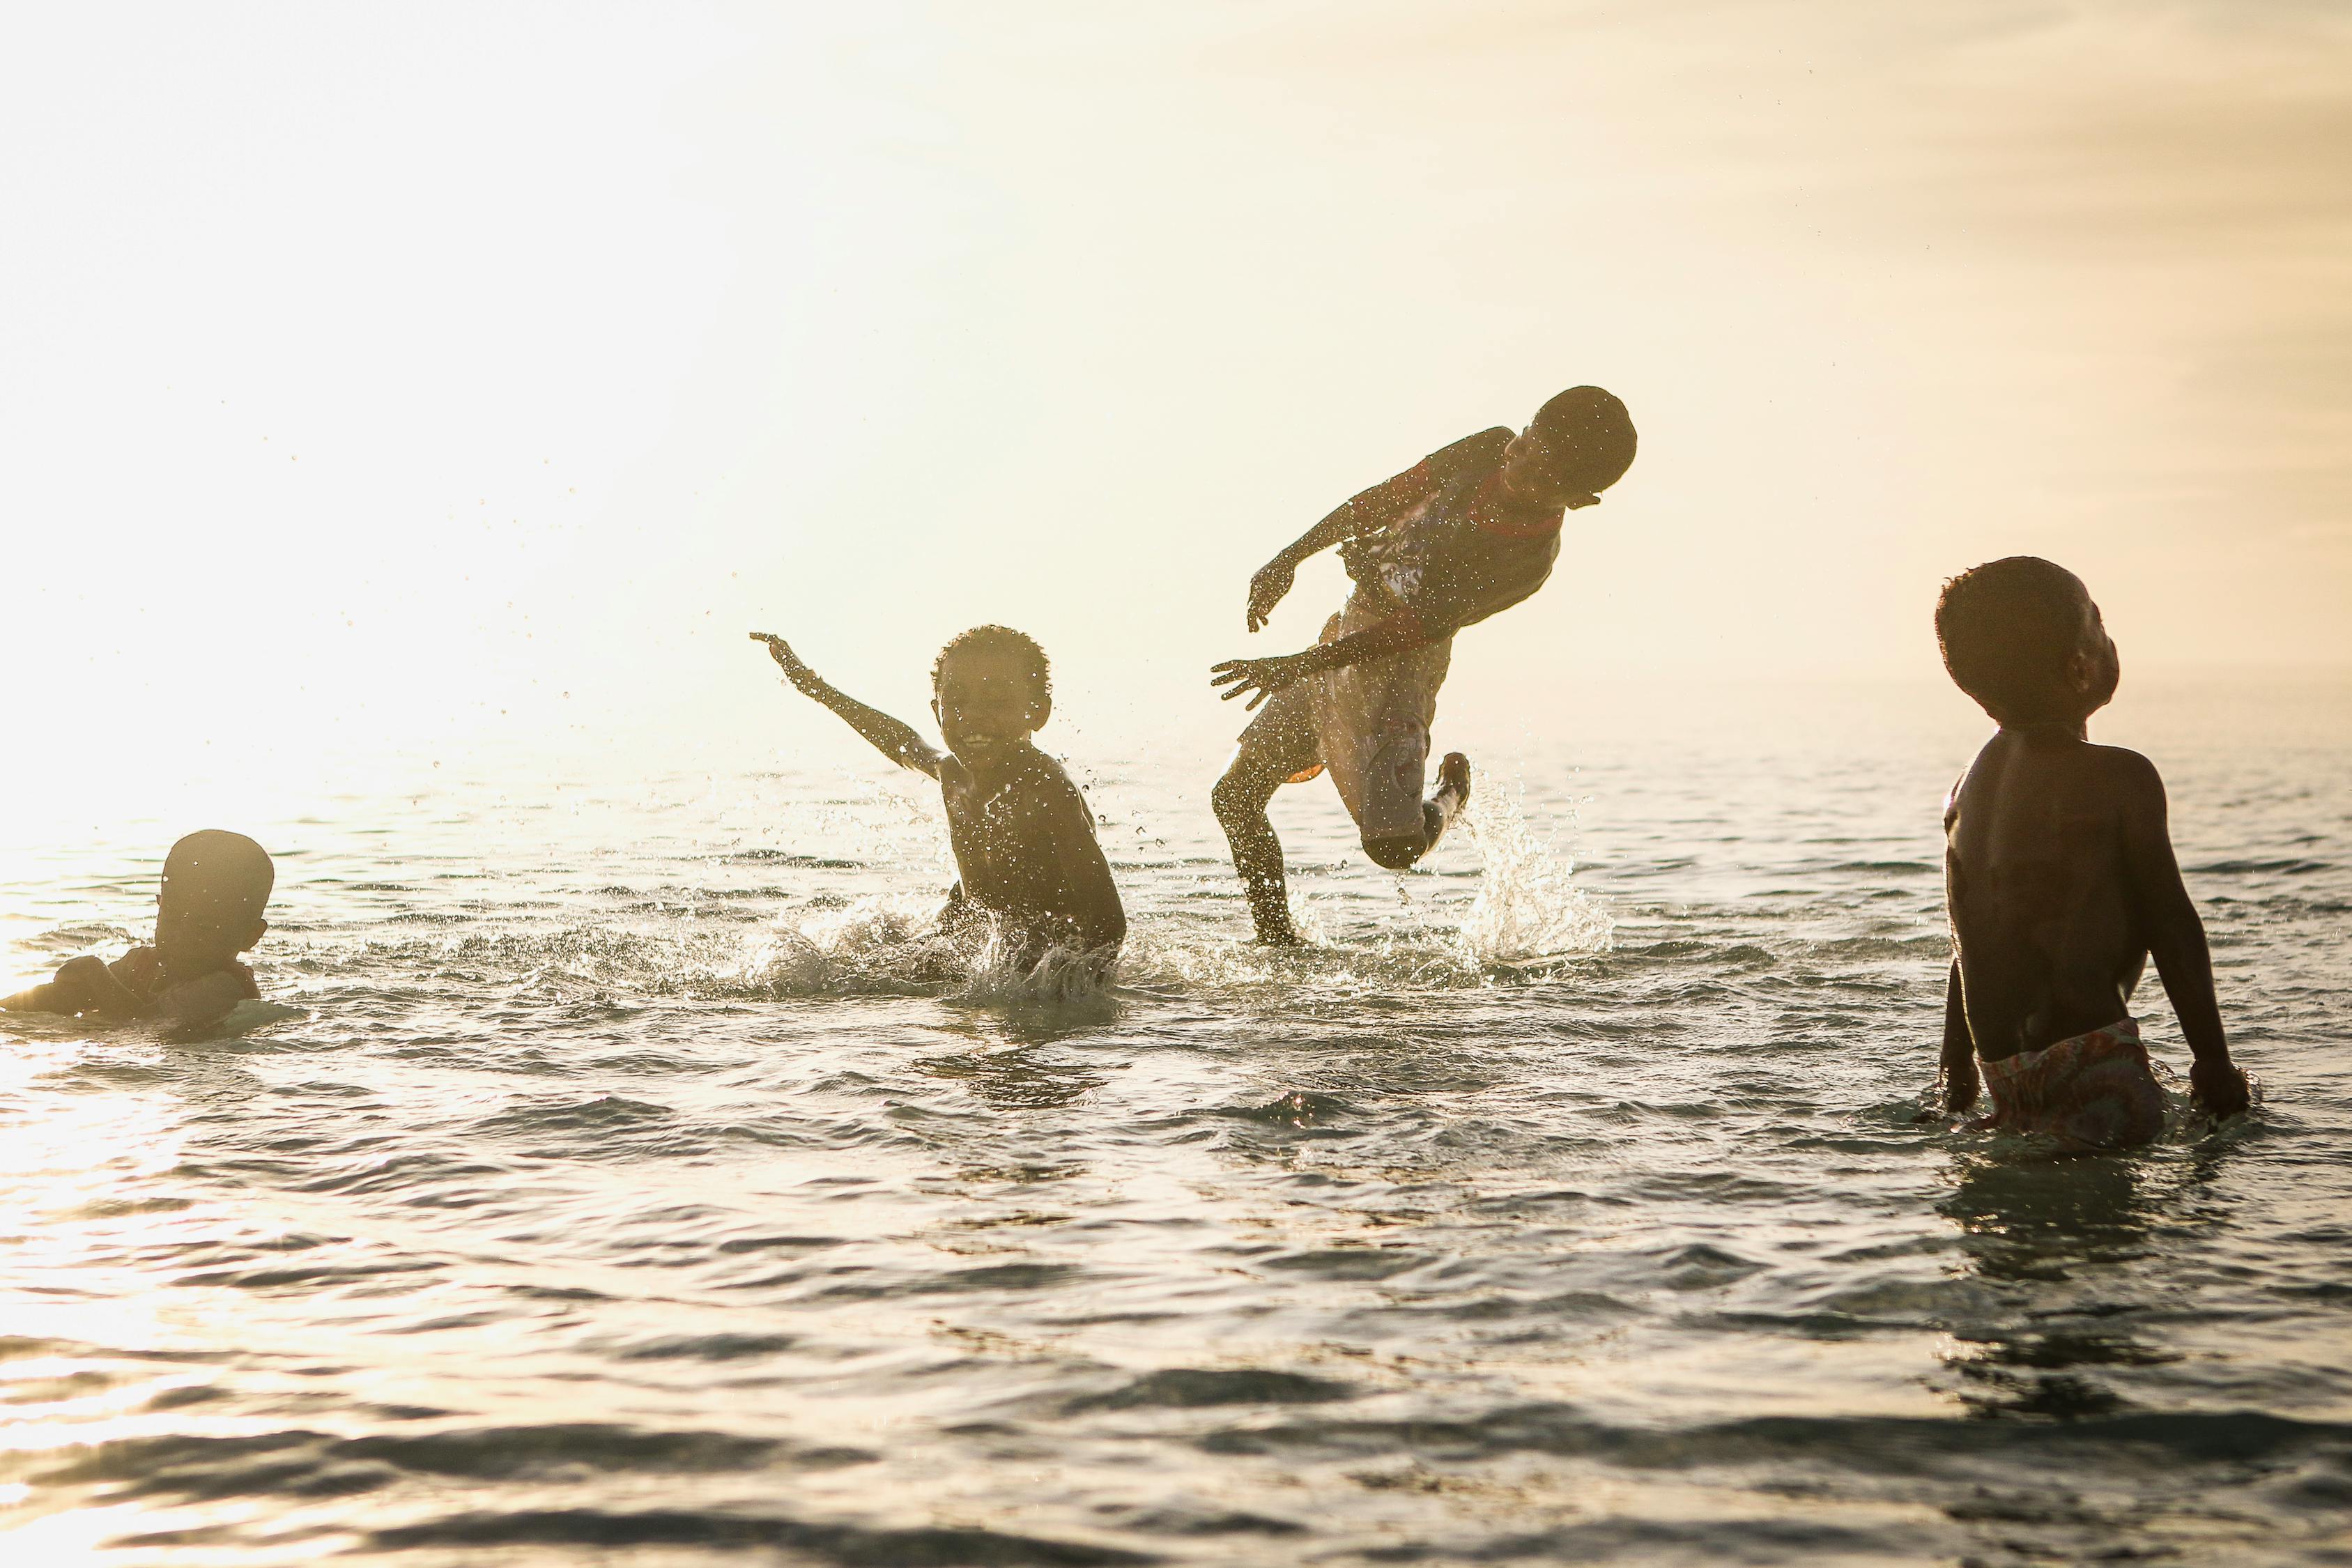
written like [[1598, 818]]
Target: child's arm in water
[[200, 1002], [1958, 1073], [1027, 849], [2175, 936], [1090, 897], [82, 985], [894, 740], [1959, 1066]]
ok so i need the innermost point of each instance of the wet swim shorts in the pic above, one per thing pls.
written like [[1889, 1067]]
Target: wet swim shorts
[[2094, 1091], [1372, 726]]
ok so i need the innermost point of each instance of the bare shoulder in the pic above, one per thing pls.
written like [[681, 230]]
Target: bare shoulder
[[2127, 772], [1973, 774], [1049, 790], [1049, 779], [1481, 450], [137, 969], [2132, 786], [1952, 799]]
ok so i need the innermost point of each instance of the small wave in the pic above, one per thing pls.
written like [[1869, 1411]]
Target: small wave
[[2260, 867], [81, 938], [598, 1530], [1193, 1388]]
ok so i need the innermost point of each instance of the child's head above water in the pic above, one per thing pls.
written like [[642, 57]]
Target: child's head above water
[[1577, 446], [2023, 637], [991, 687], [215, 885]]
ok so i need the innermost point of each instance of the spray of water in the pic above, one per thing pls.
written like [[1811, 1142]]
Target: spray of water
[[1525, 910], [1528, 905]]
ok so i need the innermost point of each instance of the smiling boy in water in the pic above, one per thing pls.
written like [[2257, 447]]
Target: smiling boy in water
[[2061, 880], [1023, 840], [208, 911]]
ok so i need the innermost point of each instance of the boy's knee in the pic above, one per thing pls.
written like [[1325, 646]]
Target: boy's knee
[[1395, 854], [1236, 796]]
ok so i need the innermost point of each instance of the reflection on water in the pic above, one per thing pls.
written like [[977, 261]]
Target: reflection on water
[[2074, 1226], [644, 1181]]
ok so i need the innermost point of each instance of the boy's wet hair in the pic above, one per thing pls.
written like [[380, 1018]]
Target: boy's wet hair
[[2007, 629], [229, 868], [1002, 640], [1592, 425]]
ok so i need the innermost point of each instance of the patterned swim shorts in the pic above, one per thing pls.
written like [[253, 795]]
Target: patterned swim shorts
[[2094, 1091]]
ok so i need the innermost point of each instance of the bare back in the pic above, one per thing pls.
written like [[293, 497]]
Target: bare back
[[2044, 913]]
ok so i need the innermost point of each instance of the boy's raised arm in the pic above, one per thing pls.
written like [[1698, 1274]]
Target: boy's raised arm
[[897, 742], [2175, 936], [1272, 581], [1369, 508]]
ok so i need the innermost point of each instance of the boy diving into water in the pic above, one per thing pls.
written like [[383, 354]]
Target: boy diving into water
[[2061, 880], [208, 911], [1463, 533], [1023, 840]]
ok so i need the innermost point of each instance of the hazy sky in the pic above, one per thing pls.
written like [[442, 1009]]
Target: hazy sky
[[401, 370]]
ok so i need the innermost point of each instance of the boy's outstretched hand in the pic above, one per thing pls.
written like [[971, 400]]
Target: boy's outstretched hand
[[799, 674], [1268, 589], [1261, 677], [2219, 1088]]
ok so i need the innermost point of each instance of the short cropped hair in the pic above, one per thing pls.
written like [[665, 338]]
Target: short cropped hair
[[230, 868], [1592, 426], [1006, 641], [2007, 629]]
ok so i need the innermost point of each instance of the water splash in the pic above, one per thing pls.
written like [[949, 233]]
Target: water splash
[[1527, 904]]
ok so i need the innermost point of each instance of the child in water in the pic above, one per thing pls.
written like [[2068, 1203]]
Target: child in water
[[215, 885], [2061, 880], [1465, 533], [1023, 840]]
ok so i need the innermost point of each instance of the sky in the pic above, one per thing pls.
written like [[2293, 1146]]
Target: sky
[[403, 376]]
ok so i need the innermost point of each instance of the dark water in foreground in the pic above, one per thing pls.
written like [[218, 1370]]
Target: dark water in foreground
[[615, 1177]]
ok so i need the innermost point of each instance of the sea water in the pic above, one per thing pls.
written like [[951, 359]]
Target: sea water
[[620, 1171]]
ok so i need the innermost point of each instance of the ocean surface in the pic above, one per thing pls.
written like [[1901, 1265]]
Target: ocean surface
[[616, 1172]]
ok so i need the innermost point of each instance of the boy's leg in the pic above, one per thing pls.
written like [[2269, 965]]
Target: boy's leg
[[1278, 747], [1397, 851], [1371, 725]]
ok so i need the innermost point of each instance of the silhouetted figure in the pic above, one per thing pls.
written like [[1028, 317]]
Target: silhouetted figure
[[215, 885], [1025, 842], [2061, 880], [1464, 533]]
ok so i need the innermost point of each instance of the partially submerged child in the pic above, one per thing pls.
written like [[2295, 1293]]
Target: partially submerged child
[[215, 885], [1023, 840], [2061, 880]]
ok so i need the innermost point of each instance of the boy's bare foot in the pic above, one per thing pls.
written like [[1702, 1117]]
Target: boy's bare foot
[[1453, 774]]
